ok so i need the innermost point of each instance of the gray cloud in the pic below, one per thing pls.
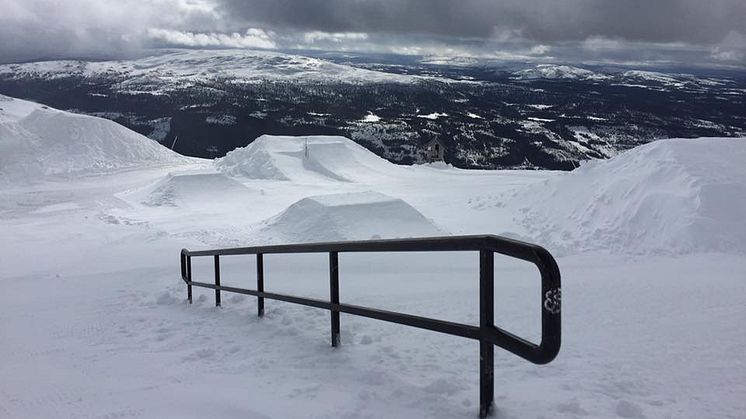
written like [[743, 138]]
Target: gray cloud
[[653, 30], [33, 29], [693, 21]]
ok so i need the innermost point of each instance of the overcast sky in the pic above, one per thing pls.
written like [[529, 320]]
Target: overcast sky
[[625, 31]]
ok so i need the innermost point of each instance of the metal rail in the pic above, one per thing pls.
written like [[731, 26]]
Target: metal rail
[[486, 333]]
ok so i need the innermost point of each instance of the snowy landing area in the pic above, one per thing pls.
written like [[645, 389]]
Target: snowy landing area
[[94, 321]]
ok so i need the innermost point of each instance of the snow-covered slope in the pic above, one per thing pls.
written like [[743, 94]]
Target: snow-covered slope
[[183, 68], [305, 159], [38, 141], [94, 322], [668, 196]]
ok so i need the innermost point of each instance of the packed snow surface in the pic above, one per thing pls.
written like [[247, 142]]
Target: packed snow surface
[[668, 196], [348, 216], [37, 141], [184, 190], [94, 323]]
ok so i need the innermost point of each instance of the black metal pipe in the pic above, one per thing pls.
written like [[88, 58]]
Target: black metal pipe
[[486, 322], [498, 244], [260, 283], [450, 328], [189, 278], [334, 295], [217, 280]]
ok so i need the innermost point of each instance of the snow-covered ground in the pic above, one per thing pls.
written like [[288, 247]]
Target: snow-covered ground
[[94, 322]]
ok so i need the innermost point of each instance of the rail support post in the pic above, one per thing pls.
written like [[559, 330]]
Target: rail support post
[[189, 278], [334, 294], [486, 321], [217, 280], [260, 283]]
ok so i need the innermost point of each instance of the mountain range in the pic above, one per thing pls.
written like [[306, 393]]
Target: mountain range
[[205, 103]]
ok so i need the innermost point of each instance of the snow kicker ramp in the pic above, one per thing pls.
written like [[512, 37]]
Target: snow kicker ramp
[[306, 159], [198, 190], [38, 141], [666, 197], [347, 216]]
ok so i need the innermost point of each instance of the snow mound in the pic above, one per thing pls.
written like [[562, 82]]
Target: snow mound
[[666, 197], [198, 189], [37, 141], [304, 159], [348, 216]]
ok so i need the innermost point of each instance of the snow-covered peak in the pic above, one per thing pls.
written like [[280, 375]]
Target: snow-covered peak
[[554, 71], [672, 79], [185, 67], [652, 76]]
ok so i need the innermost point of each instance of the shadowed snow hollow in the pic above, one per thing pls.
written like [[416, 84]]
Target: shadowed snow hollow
[[304, 159], [348, 216], [666, 197], [37, 141]]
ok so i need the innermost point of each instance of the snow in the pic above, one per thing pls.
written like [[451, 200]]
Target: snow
[[177, 68], [222, 120], [94, 321], [533, 118], [347, 216], [433, 116], [38, 141], [669, 196], [555, 71], [304, 159], [371, 117]]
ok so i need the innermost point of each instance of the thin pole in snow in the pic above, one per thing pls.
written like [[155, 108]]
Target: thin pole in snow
[[174, 143]]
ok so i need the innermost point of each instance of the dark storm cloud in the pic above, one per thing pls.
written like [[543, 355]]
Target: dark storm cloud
[[713, 30], [691, 21]]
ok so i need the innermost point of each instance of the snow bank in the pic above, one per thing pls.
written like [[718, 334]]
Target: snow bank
[[348, 216], [37, 141], [305, 159], [666, 197]]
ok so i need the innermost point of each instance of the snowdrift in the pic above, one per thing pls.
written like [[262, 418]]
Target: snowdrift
[[666, 197], [304, 159], [38, 141], [348, 216]]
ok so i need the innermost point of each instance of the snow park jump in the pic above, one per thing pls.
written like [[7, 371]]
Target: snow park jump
[[486, 333]]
